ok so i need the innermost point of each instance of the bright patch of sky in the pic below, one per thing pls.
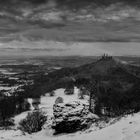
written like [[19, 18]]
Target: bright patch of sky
[[53, 48]]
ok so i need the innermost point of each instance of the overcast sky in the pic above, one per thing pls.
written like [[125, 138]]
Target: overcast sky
[[26, 30]]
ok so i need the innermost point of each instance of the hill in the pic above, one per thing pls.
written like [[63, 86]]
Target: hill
[[104, 69], [114, 84]]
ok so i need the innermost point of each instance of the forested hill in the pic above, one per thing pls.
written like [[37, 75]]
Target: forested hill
[[105, 70]]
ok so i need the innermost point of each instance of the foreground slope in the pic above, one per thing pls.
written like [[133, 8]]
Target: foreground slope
[[128, 128]]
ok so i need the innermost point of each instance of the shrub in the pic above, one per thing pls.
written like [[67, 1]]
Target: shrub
[[35, 103], [52, 93], [59, 100], [33, 122], [7, 123], [69, 91], [22, 105], [82, 92]]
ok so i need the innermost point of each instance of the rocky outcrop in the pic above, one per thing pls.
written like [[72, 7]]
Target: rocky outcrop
[[71, 117]]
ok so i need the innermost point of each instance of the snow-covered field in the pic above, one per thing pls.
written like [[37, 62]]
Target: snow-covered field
[[128, 128], [8, 88], [6, 72], [47, 102]]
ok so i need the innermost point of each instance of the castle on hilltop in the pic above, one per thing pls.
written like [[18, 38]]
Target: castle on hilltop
[[106, 57]]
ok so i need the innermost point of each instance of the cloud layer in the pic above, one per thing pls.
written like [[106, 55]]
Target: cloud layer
[[35, 27]]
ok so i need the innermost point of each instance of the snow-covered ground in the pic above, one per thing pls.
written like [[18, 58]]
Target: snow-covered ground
[[6, 72], [127, 128], [13, 88], [47, 103]]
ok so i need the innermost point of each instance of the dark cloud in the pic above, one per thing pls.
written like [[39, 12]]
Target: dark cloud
[[11, 3], [68, 3], [19, 1]]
